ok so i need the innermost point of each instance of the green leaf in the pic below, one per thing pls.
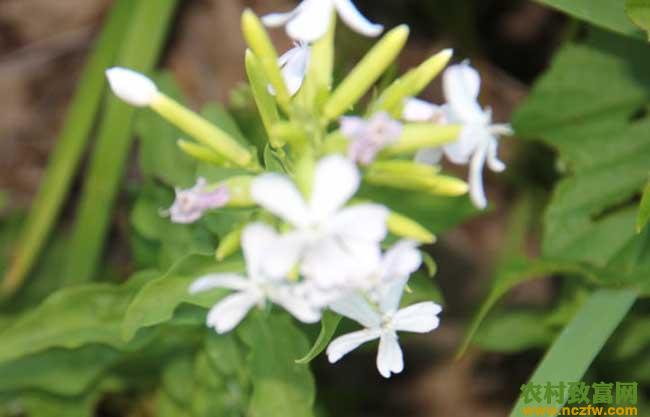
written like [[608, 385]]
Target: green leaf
[[71, 318], [580, 341], [281, 387], [329, 323], [58, 371], [606, 14], [514, 331], [39, 404], [140, 50], [156, 302], [513, 272], [639, 13], [644, 209], [58, 176], [601, 137]]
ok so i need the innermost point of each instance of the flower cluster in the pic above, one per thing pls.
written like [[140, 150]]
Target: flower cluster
[[336, 248], [313, 244]]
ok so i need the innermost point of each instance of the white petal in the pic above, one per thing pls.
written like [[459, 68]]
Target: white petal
[[476, 192], [365, 222], [460, 151], [401, 260], [431, 156], [279, 19], [296, 305], [295, 69], [327, 262], [355, 20], [283, 255], [279, 195], [312, 20], [345, 344], [357, 308], [416, 110], [211, 281], [131, 87], [391, 294], [461, 85], [227, 314], [256, 240], [389, 358], [492, 159], [418, 318], [336, 179]]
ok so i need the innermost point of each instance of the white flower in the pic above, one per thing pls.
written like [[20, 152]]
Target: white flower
[[369, 137], [309, 21], [190, 204], [478, 140], [265, 280], [333, 242], [396, 264], [131, 87], [294, 64], [382, 321]]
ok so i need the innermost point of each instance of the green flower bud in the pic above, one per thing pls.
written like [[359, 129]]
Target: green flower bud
[[202, 130], [411, 84], [229, 244], [201, 153], [422, 135], [260, 43], [263, 99], [406, 227], [366, 73]]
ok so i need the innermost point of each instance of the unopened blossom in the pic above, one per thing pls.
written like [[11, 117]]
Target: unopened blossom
[[190, 204], [309, 21], [265, 280], [382, 320], [330, 241], [294, 64], [131, 86], [478, 139], [369, 137]]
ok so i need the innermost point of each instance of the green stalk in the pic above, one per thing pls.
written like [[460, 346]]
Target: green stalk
[[577, 346], [140, 51], [71, 144]]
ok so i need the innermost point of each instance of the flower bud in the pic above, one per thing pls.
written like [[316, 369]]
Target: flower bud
[[406, 227], [229, 244], [131, 86], [260, 43], [366, 73], [423, 135]]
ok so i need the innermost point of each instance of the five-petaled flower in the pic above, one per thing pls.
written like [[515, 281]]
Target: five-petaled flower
[[309, 21], [331, 242], [478, 140], [265, 280], [190, 204], [382, 320], [369, 137]]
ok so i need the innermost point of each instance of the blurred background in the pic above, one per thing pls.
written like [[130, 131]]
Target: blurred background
[[43, 45]]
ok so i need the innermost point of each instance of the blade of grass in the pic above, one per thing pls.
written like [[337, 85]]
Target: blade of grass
[[71, 144], [580, 341], [141, 49]]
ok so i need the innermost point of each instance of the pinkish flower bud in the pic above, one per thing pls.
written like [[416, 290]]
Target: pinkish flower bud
[[190, 204], [369, 137]]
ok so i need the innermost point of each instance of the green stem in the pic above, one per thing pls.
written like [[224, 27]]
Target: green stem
[[141, 49], [67, 154]]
